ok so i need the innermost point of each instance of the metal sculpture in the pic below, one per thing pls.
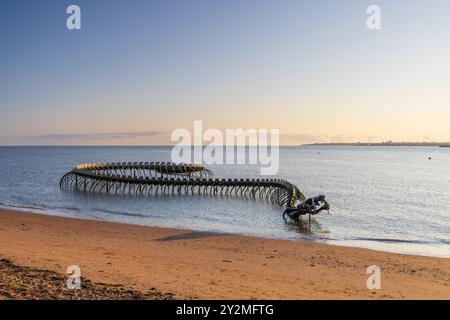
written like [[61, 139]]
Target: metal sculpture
[[166, 178]]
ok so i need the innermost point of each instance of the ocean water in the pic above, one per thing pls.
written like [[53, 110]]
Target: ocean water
[[385, 198]]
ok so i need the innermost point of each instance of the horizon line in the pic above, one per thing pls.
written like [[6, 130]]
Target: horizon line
[[385, 143]]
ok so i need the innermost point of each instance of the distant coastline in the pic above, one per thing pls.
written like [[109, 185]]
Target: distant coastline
[[385, 144]]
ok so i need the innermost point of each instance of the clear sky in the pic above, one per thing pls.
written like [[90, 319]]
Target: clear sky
[[137, 70]]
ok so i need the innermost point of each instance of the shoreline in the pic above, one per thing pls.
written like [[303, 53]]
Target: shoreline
[[331, 242], [205, 265]]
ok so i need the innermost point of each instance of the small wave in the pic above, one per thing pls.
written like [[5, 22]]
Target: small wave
[[68, 208], [390, 240], [13, 206], [95, 211], [58, 209], [122, 213]]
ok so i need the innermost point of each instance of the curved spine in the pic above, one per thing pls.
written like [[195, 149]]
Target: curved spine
[[155, 178]]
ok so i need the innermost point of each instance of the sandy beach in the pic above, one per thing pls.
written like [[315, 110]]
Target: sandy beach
[[134, 262]]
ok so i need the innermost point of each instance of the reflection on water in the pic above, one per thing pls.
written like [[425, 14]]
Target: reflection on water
[[310, 228]]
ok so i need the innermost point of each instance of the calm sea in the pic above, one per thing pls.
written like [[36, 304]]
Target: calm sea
[[385, 198]]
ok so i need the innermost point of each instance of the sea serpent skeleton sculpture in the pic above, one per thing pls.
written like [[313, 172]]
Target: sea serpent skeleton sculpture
[[167, 178]]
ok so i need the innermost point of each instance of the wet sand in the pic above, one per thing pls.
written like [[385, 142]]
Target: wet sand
[[122, 261]]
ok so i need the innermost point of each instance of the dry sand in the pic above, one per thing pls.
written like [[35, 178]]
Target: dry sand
[[194, 265]]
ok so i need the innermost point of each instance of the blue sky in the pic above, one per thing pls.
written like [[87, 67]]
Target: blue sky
[[139, 69]]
